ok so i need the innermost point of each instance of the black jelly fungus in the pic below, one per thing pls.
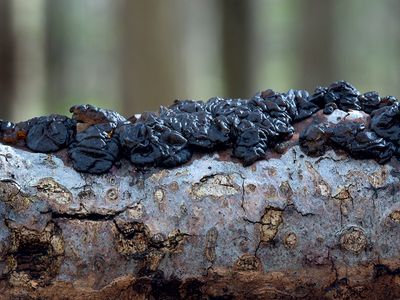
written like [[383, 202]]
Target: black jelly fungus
[[148, 142], [94, 115], [351, 136], [369, 101], [97, 138], [330, 108], [342, 93], [49, 134], [314, 139], [94, 150], [385, 122], [360, 142]]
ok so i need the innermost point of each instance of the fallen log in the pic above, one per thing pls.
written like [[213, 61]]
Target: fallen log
[[290, 226]]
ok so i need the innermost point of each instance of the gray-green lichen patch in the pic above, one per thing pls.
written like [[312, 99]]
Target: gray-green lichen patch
[[290, 240], [10, 191], [160, 198], [345, 201], [112, 194], [53, 192], [211, 243], [247, 262], [379, 178], [395, 216], [135, 213], [14, 197], [322, 188], [134, 240], [270, 222], [353, 239], [286, 190], [215, 186]]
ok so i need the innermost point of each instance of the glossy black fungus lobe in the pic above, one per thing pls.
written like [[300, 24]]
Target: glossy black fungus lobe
[[385, 122], [351, 136], [360, 142], [342, 93], [198, 127], [97, 138], [314, 139], [49, 134], [90, 114], [94, 150], [149, 142]]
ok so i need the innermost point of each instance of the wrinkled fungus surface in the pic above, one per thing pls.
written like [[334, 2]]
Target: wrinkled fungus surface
[[96, 138]]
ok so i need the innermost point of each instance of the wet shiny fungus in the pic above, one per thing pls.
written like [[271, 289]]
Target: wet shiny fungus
[[149, 142], [49, 134], [94, 150], [96, 138]]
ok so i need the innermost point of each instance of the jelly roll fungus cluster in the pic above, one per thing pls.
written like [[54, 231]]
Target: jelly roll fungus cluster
[[97, 138]]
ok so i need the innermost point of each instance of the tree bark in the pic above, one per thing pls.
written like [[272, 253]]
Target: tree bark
[[290, 226]]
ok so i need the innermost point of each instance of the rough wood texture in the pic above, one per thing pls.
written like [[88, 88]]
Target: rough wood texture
[[288, 227]]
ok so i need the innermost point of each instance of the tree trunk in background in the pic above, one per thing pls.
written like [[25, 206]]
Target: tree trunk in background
[[6, 59], [152, 54], [29, 58], [57, 51], [238, 37], [316, 43], [82, 54]]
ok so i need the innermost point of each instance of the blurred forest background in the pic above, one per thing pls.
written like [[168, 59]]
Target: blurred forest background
[[133, 55]]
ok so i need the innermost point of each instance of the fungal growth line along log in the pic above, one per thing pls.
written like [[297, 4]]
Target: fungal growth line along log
[[98, 138]]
